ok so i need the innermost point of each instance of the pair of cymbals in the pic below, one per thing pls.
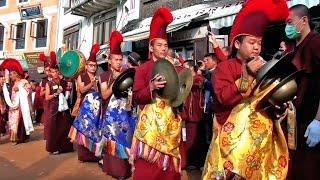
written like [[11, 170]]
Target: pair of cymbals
[[178, 86]]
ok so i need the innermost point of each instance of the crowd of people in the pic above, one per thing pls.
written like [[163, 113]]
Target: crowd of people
[[219, 128]]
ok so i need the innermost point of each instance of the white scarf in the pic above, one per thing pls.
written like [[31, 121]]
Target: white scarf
[[22, 96], [63, 104]]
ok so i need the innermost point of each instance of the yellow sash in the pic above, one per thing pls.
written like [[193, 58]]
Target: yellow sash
[[249, 144], [159, 129]]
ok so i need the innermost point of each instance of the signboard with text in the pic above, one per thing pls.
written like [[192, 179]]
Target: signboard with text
[[30, 12]]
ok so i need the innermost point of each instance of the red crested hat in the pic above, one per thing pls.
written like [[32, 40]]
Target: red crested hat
[[255, 15], [53, 60], [44, 59], [115, 42], [160, 21], [93, 53], [12, 65]]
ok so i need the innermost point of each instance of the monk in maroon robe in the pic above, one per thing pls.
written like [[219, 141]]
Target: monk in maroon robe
[[144, 90], [112, 165], [43, 84], [58, 122], [193, 110], [87, 82], [305, 160]]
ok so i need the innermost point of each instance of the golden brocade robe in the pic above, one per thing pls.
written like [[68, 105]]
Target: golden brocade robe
[[249, 144], [159, 132]]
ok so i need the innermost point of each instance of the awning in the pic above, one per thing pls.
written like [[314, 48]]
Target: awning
[[182, 18], [87, 8], [225, 15]]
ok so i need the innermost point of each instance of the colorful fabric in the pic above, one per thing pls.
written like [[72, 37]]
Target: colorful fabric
[[85, 129], [157, 135], [249, 144], [117, 127]]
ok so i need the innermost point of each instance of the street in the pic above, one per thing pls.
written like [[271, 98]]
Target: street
[[31, 161]]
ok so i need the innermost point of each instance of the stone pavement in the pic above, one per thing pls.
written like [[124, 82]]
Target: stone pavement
[[30, 161]]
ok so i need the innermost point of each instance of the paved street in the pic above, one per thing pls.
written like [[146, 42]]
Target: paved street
[[31, 161]]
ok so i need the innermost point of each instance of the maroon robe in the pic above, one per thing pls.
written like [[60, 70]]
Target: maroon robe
[[113, 166], [142, 95], [58, 123], [45, 108], [193, 108], [226, 94], [2, 125], [84, 154], [305, 161]]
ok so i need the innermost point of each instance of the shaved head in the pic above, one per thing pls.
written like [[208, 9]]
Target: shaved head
[[300, 10]]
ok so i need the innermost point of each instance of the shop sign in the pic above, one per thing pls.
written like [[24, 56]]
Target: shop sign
[[33, 58], [30, 12], [189, 34]]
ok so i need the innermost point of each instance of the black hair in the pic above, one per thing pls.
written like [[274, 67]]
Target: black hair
[[301, 11]]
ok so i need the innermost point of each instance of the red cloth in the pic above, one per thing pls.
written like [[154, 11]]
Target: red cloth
[[147, 171], [220, 55], [141, 89], [193, 106], [226, 92], [85, 155], [38, 100], [115, 167]]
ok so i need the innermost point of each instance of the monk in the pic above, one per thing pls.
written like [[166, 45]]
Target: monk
[[58, 116], [193, 107], [232, 151], [43, 83], [305, 160], [155, 155], [115, 164], [86, 83]]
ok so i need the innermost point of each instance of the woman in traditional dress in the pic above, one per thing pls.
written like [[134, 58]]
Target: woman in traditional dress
[[58, 119], [19, 115], [3, 119]]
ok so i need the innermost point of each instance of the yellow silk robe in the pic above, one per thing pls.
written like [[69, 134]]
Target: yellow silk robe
[[249, 144]]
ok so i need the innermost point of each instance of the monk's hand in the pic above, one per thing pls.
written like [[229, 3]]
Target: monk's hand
[[313, 133], [254, 65], [213, 40], [157, 82]]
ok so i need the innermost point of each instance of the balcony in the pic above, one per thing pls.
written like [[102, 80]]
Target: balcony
[[88, 8]]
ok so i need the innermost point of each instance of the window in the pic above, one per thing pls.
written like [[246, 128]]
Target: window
[[102, 30], [1, 36], [2, 3], [17, 33], [21, 1], [71, 37], [38, 31]]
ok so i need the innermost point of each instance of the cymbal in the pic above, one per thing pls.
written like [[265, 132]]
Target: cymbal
[[168, 72], [185, 85], [123, 82]]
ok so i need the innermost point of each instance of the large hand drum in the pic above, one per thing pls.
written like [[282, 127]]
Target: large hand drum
[[72, 63]]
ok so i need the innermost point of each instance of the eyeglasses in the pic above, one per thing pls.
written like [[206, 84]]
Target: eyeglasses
[[92, 65]]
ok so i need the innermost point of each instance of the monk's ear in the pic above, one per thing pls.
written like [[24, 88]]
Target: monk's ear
[[150, 48], [237, 44]]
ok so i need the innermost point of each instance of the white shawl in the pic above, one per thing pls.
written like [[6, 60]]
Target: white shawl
[[22, 96]]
